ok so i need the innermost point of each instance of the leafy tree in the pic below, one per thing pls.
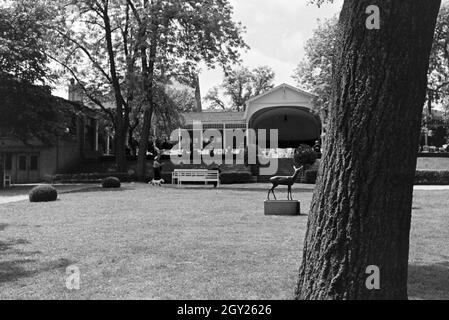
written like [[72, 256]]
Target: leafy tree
[[214, 99], [170, 101], [29, 111], [240, 85], [438, 76], [262, 80], [361, 210], [97, 48], [173, 37], [133, 48], [314, 73], [304, 156], [22, 40], [184, 98]]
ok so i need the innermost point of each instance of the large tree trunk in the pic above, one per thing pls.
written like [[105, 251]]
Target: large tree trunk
[[148, 66], [143, 145], [121, 120], [361, 210], [120, 147]]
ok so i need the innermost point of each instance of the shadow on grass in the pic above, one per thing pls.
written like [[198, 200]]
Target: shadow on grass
[[211, 188], [14, 269], [4, 246], [429, 281], [101, 189], [9, 247], [17, 268], [3, 226]]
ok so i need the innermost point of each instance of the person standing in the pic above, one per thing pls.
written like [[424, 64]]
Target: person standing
[[157, 164]]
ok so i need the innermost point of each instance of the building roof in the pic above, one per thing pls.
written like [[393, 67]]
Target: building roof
[[273, 98], [209, 117], [282, 86]]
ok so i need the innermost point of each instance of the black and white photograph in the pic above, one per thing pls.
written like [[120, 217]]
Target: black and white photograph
[[224, 155]]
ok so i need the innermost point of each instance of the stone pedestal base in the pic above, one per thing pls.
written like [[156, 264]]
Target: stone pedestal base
[[282, 208]]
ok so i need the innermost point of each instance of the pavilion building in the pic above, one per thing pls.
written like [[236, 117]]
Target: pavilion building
[[285, 108]]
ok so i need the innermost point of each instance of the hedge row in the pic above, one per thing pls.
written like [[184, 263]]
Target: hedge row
[[432, 177], [86, 177], [423, 177], [239, 177], [433, 155], [310, 176]]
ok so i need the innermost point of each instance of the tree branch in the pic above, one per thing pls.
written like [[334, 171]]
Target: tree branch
[[83, 87]]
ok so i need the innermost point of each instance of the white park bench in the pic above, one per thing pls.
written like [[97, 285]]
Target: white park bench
[[195, 175]]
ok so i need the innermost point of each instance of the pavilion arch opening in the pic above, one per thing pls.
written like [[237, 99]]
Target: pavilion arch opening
[[295, 125]]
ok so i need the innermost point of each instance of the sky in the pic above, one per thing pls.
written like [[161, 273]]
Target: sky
[[277, 31]]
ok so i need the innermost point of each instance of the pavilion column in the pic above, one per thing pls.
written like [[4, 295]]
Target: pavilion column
[[108, 143], [224, 137], [96, 135], [247, 134], [179, 140], [2, 170]]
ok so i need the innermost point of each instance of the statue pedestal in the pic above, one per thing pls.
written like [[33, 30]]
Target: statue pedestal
[[282, 208]]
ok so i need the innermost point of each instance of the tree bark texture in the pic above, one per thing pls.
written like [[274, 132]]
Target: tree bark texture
[[361, 210], [121, 120], [148, 65]]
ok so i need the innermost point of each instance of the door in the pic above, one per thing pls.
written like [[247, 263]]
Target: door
[[33, 172], [22, 168], [27, 168]]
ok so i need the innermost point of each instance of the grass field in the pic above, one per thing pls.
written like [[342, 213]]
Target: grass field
[[433, 164], [165, 243]]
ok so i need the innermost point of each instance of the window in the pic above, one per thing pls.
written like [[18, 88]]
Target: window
[[22, 163], [34, 163], [8, 162]]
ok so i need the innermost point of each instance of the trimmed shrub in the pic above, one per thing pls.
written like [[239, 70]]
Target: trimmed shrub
[[305, 156], [89, 177], [111, 183], [423, 177], [45, 193], [310, 176], [432, 177], [235, 177]]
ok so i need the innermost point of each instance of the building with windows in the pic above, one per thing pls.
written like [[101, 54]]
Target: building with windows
[[30, 162], [285, 108]]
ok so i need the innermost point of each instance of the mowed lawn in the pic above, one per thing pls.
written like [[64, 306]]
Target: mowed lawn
[[433, 164], [165, 243]]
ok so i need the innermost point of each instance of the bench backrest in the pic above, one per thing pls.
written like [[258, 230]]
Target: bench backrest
[[197, 174]]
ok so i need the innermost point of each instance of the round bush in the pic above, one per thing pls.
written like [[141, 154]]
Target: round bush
[[45, 193], [111, 183], [311, 176], [305, 156]]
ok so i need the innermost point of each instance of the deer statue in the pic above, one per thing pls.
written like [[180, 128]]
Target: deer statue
[[284, 181]]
